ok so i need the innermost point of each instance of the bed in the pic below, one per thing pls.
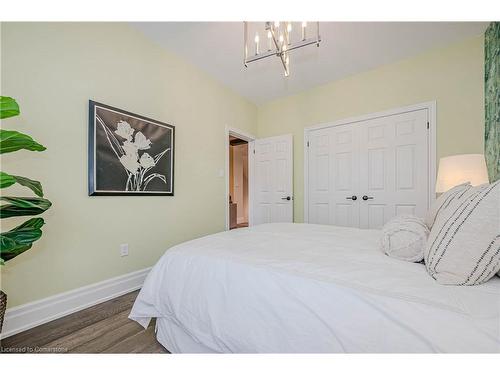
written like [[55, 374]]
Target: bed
[[304, 288]]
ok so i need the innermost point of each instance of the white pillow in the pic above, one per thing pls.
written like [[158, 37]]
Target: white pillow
[[463, 247], [404, 238], [443, 201]]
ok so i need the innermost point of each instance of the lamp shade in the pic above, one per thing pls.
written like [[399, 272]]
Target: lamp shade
[[457, 169]]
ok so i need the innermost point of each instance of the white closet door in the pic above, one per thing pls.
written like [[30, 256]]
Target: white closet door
[[333, 176], [393, 167], [273, 182], [381, 164]]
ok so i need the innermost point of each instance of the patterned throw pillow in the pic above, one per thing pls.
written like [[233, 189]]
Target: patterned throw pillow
[[463, 247], [404, 238], [442, 202]]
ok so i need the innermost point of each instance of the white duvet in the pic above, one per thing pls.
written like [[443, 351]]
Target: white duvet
[[311, 288]]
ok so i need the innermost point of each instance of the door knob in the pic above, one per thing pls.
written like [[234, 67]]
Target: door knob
[[365, 197], [286, 198], [353, 197]]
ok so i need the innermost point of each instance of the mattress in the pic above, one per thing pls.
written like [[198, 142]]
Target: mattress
[[304, 288]]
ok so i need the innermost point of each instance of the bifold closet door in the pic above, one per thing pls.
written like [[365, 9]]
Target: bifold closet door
[[364, 173], [393, 167], [334, 176]]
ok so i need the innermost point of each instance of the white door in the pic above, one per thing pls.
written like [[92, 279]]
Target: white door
[[273, 180], [363, 173], [393, 168], [334, 176]]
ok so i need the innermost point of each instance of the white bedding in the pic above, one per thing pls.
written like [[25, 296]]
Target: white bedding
[[310, 288]]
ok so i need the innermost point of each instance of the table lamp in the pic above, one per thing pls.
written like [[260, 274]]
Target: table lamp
[[457, 169]]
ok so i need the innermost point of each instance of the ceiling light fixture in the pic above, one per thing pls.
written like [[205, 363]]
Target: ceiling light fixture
[[279, 42]]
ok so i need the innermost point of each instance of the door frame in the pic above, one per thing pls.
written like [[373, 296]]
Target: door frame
[[431, 143], [250, 138]]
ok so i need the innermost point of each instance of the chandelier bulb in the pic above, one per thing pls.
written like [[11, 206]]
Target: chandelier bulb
[[257, 43]]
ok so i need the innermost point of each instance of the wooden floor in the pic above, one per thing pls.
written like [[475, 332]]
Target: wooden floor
[[103, 328]]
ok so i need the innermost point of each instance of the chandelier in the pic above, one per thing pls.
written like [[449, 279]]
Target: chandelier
[[282, 37]]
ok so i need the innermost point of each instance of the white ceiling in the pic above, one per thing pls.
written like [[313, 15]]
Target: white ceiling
[[347, 48]]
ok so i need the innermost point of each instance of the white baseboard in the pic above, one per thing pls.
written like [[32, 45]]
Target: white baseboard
[[24, 317]]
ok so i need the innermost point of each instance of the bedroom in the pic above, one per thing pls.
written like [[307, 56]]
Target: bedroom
[[360, 137]]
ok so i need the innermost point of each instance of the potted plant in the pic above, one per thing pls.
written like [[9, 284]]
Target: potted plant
[[21, 238]]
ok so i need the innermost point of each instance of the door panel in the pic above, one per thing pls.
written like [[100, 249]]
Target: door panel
[[344, 176], [384, 159], [319, 161], [333, 176], [391, 166], [273, 180]]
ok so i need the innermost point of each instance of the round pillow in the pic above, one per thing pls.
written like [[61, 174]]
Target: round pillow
[[404, 237]]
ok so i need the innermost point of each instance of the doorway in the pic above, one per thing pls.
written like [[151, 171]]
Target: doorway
[[238, 183], [264, 193], [238, 144]]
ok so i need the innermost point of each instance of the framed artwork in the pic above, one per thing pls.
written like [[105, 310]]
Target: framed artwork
[[129, 154]]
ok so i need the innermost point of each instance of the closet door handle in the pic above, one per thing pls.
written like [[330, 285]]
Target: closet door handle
[[287, 198], [352, 198], [365, 197]]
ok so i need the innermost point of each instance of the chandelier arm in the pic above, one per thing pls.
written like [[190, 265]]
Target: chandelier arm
[[317, 34], [261, 56], [276, 44], [292, 47], [245, 41], [304, 43], [279, 51]]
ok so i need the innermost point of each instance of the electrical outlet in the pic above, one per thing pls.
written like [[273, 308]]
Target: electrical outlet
[[124, 249]]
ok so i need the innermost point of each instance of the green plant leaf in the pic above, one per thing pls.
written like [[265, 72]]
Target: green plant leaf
[[34, 223], [6, 180], [35, 186], [13, 252], [23, 236], [18, 206], [11, 140], [6, 243], [8, 107], [20, 239]]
